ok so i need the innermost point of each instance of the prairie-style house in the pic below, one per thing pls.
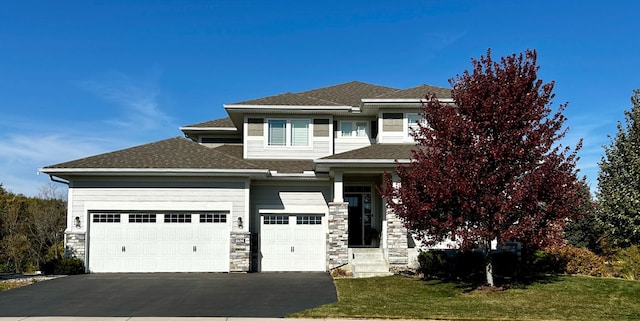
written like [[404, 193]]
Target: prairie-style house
[[284, 183]]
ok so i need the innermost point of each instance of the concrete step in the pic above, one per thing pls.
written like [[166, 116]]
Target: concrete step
[[369, 262], [370, 274]]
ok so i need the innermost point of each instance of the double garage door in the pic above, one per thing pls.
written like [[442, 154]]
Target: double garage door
[[159, 241], [292, 243]]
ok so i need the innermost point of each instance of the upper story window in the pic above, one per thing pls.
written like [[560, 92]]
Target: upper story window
[[412, 123], [353, 128], [288, 132]]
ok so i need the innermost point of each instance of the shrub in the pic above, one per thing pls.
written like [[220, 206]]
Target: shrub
[[571, 260], [64, 266], [433, 264], [626, 263], [505, 263]]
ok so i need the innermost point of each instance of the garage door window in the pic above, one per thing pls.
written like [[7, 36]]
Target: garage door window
[[142, 218], [106, 218], [177, 218], [220, 217], [308, 220], [276, 219]]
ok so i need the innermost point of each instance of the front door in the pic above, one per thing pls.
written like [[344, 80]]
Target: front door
[[360, 217]]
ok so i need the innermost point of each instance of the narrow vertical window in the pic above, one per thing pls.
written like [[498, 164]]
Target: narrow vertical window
[[346, 127], [299, 132], [277, 132]]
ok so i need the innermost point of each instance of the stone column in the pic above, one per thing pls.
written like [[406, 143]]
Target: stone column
[[75, 245], [240, 256], [396, 240], [338, 237]]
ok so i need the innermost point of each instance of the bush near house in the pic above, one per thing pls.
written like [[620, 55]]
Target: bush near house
[[570, 260], [64, 266], [466, 266]]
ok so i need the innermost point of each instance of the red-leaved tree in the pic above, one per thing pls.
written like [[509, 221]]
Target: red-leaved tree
[[488, 167]]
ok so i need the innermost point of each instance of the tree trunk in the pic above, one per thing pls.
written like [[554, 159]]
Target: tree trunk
[[488, 262]]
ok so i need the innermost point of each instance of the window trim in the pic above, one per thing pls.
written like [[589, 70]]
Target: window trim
[[354, 128], [410, 126], [288, 132]]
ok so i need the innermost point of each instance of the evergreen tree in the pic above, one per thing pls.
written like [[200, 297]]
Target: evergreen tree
[[619, 180]]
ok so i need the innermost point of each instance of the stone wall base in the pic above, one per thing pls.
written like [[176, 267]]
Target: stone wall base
[[240, 255]]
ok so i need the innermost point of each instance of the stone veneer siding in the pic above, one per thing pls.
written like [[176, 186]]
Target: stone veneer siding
[[75, 245], [240, 255], [338, 237], [396, 240]]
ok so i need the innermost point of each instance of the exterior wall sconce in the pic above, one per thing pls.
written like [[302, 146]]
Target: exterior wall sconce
[[240, 224], [76, 222]]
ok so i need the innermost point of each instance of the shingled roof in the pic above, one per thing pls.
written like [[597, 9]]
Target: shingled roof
[[417, 92], [347, 94], [279, 165], [376, 151], [172, 153], [216, 123]]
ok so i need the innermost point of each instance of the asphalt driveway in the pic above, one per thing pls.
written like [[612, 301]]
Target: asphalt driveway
[[171, 295]]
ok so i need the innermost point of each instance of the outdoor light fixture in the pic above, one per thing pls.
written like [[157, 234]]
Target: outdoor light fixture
[[77, 221], [240, 225]]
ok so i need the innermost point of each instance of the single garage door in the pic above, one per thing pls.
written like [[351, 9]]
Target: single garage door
[[292, 243], [159, 242]]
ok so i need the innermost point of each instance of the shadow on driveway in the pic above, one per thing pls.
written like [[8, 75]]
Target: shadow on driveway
[[171, 295]]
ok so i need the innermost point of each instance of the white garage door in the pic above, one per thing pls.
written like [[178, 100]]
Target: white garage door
[[159, 242], [292, 243]]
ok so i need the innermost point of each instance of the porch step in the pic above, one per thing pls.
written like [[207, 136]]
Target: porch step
[[368, 262]]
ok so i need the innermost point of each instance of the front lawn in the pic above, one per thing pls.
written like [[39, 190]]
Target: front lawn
[[562, 298]]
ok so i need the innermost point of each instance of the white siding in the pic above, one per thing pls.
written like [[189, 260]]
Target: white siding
[[257, 148], [347, 144], [154, 194], [267, 194]]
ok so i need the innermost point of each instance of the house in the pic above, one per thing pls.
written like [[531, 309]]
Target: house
[[284, 183]]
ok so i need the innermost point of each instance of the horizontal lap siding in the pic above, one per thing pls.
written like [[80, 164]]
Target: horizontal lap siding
[[256, 148], [158, 198], [268, 194], [348, 144]]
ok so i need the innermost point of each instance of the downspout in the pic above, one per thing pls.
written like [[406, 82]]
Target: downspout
[[53, 179]]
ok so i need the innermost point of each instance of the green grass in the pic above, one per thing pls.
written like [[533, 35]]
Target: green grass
[[562, 298]]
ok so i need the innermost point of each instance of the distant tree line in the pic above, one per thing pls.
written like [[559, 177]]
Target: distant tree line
[[31, 229]]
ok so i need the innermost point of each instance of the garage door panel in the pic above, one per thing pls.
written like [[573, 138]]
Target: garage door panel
[[160, 242], [296, 243]]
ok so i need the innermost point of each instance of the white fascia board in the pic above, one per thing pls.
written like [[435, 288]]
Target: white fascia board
[[208, 129], [360, 162], [152, 171], [285, 108], [405, 100], [303, 176]]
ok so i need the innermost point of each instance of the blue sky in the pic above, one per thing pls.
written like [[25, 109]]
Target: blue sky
[[78, 78]]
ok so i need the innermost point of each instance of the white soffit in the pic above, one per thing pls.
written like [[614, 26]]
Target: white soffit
[[299, 203]]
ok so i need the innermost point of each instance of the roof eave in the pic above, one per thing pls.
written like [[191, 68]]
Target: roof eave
[[71, 172]]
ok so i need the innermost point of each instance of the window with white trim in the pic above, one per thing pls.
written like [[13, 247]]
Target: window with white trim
[[288, 132], [412, 123], [354, 128]]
